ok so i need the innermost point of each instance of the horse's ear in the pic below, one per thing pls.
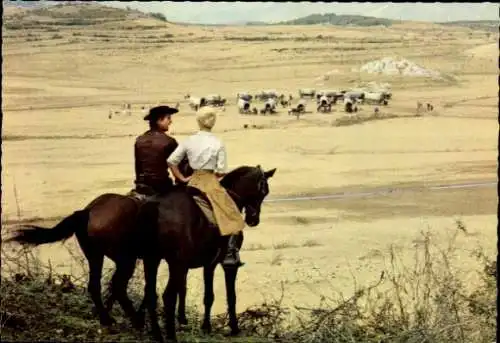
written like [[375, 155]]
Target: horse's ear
[[268, 174]]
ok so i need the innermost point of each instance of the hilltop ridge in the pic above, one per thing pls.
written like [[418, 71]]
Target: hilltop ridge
[[88, 13], [341, 20], [72, 14]]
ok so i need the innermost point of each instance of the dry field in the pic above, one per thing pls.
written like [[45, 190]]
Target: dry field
[[60, 150]]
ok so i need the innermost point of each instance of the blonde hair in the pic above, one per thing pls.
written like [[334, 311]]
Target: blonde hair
[[206, 118]]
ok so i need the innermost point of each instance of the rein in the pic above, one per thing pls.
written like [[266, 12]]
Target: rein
[[238, 200], [236, 196]]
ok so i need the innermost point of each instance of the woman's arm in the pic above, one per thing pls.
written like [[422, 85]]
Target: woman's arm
[[173, 162], [177, 173], [221, 166]]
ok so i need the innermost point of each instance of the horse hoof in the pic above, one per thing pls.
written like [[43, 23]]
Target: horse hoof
[[235, 332], [157, 336], [107, 321], [138, 324], [110, 330], [140, 321], [183, 328], [207, 329]]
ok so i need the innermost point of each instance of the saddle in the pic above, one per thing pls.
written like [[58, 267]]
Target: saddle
[[198, 196], [141, 197]]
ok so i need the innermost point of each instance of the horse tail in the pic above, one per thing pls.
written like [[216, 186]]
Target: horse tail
[[36, 235]]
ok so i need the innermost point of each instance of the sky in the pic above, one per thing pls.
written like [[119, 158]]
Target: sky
[[239, 12]]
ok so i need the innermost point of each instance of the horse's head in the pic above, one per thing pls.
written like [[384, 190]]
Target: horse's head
[[248, 186]]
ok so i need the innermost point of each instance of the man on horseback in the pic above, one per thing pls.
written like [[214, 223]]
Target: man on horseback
[[207, 156], [151, 152]]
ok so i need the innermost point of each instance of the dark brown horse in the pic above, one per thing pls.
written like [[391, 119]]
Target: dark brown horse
[[186, 240], [105, 227], [175, 229]]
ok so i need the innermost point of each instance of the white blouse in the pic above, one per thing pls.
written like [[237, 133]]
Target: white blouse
[[204, 152]]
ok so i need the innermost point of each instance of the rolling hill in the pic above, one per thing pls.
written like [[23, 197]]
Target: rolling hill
[[485, 25], [74, 14], [89, 13], [360, 20], [341, 20]]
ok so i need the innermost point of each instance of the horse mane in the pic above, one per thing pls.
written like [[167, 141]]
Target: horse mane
[[234, 175]]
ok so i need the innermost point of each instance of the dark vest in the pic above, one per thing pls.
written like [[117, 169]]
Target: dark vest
[[152, 150]]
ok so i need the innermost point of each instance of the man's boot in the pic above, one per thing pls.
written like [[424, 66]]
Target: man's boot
[[232, 258]]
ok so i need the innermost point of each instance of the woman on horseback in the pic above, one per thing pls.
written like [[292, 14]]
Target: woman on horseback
[[207, 157]]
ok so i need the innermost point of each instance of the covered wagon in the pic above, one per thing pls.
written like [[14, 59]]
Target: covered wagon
[[244, 95], [196, 103], [215, 100], [307, 93], [243, 106], [378, 98], [269, 106], [267, 94], [324, 104]]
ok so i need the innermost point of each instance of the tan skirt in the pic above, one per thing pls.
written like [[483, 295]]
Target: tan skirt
[[228, 217]]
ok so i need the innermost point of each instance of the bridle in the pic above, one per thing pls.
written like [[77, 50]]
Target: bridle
[[237, 198], [238, 201]]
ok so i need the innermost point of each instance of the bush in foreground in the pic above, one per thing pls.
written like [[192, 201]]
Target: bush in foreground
[[425, 302]]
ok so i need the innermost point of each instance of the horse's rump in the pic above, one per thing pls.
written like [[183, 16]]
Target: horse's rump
[[112, 207], [112, 223]]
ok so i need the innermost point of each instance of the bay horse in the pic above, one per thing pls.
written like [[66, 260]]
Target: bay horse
[[174, 229], [105, 227]]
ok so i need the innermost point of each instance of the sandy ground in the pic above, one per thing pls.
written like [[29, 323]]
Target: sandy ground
[[60, 150]]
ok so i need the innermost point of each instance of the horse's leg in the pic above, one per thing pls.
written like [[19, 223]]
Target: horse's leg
[[230, 274], [175, 279], [110, 299], [119, 282], [96, 262], [150, 297], [208, 300], [181, 313]]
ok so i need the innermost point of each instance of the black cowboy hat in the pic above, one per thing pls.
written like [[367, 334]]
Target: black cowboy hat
[[159, 111]]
